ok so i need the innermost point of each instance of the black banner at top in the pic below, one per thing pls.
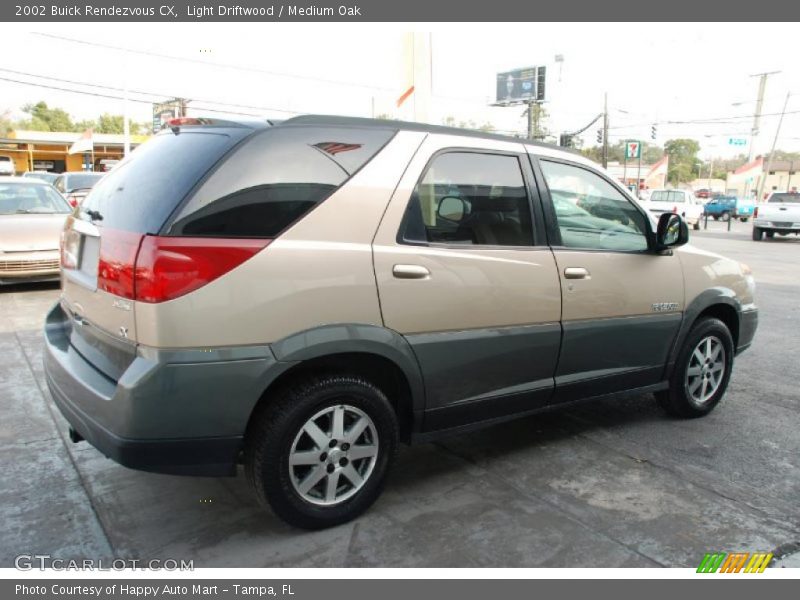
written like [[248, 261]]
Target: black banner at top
[[395, 10]]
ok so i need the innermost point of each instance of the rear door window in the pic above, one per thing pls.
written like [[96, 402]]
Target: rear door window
[[275, 178]]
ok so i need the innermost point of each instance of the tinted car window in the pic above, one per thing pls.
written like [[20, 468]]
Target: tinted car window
[[785, 197], [144, 189], [79, 181], [591, 213], [275, 178], [470, 198]]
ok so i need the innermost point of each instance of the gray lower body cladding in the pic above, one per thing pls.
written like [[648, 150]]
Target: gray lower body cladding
[[181, 412]]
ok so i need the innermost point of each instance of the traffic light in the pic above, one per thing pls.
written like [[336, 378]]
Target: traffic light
[[653, 132], [565, 140], [599, 136]]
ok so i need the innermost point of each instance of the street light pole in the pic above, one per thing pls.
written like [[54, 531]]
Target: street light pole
[[605, 130], [768, 165]]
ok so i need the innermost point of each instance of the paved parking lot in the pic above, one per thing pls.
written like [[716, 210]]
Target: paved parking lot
[[615, 483]]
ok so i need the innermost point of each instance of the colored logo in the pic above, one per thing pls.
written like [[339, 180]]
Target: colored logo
[[736, 562]]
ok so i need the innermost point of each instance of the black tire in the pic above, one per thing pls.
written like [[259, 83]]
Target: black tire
[[769, 234], [726, 216], [272, 432], [716, 217], [677, 400], [758, 234], [744, 219], [696, 226]]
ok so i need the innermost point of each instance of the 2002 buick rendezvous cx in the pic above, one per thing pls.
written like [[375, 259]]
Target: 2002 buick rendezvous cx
[[300, 297]]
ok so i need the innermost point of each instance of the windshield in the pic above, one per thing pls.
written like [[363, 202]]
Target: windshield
[[20, 198], [785, 197], [48, 177], [81, 181]]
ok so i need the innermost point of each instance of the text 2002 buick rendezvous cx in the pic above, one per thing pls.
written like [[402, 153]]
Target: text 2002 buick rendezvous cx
[[300, 297]]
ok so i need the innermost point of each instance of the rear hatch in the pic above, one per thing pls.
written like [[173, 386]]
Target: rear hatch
[[101, 240]]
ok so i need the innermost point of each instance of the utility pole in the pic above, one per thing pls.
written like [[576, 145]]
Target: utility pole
[[534, 120], [762, 86], [768, 165], [605, 130]]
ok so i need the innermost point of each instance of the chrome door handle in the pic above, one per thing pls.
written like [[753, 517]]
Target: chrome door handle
[[410, 272], [576, 273]]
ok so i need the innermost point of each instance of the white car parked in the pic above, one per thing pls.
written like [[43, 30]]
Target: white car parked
[[6, 165], [681, 202]]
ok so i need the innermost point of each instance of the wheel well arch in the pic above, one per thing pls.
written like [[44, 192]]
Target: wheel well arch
[[375, 368], [725, 313]]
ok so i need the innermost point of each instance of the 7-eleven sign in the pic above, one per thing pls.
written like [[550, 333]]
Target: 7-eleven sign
[[633, 149]]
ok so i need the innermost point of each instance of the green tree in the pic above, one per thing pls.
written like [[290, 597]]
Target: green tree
[[44, 118], [684, 166], [6, 125]]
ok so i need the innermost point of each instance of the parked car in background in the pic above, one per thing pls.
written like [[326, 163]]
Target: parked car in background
[[779, 214], [680, 202], [303, 297], [7, 165], [42, 176], [76, 185], [702, 193], [32, 215], [729, 207]]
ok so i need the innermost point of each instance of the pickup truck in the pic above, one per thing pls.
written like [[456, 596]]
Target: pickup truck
[[780, 214], [680, 202], [727, 207]]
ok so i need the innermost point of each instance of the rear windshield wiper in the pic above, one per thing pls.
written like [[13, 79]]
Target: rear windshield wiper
[[94, 215]]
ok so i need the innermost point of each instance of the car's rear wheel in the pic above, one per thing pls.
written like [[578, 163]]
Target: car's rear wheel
[[702, 371], [758, 234], [744, 219], [726, 216], [696, 225], [318, 453]]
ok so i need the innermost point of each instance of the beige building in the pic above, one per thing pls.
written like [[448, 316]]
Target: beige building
[[782, 177]]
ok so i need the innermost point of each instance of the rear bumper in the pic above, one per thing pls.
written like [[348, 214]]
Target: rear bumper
[[175, 412], [748, 323]]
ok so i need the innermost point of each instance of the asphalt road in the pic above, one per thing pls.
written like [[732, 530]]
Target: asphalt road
[[615, 483]]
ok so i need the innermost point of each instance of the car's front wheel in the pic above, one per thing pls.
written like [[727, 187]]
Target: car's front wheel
[[726, 216], [702, 370], [758, 234], [696, 225], [318, 452]]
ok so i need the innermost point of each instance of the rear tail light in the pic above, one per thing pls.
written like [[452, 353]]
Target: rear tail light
[[73, 200], [755, 212], [169, 267], [70, 246], [156, 269], [116, 265]]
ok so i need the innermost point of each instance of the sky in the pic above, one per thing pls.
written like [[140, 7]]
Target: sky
[[651, 72]]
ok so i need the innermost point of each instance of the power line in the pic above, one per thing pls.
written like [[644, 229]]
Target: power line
[[212, 63], [140, 92], [111, 97]]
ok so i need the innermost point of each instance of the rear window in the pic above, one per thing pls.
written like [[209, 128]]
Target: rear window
[[81, 180], [668, 196], [145, 188], [275, 178], [785, 197]]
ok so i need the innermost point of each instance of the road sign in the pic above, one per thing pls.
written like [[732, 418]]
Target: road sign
[[737, 141], [633, 149]]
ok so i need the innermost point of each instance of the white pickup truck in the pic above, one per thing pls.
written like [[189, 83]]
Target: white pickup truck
[[681, 202], [780, 214]]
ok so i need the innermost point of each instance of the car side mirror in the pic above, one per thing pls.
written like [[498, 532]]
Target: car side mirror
[[452, 208], [672, 231]]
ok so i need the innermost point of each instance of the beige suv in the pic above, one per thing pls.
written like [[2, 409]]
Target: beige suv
[[300, 297]]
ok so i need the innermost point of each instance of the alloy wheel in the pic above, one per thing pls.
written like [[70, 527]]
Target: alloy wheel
[[333, 455], [706, 369]]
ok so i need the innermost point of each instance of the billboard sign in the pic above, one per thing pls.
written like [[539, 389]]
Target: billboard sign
[[521, 85], [633, 149]]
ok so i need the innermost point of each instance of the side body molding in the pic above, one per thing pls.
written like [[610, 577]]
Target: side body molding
[[356, 338]]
